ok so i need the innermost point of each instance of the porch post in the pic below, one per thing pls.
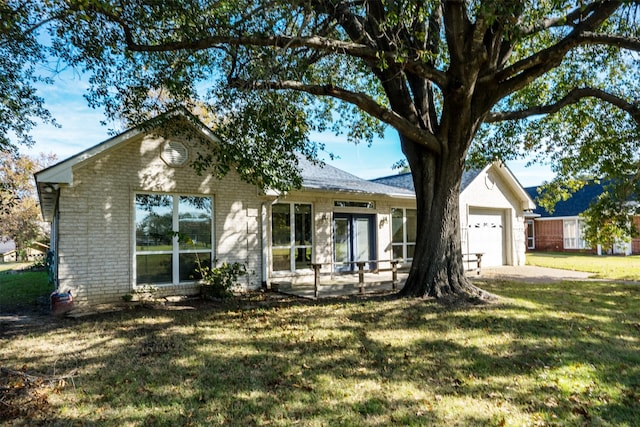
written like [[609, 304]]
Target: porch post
[[394, 275], [361, 276], [316, 279]]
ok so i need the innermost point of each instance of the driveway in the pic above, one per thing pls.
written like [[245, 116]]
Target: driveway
[[530, 273]]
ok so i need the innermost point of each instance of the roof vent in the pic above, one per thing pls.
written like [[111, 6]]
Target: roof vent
[[174, 153]]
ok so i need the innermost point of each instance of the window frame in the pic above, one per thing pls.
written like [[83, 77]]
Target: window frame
[[176, 251], [405, 244], [531, 237], [292, 247], [575, 238]]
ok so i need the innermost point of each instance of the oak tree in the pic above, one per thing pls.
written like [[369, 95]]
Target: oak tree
[[21, 59], [457, 79]]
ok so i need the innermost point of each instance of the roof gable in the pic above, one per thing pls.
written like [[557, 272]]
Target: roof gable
[[405, 180], [62, 172]]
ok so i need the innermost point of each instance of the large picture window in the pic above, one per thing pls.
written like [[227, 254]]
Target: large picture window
[[291, 236], [404, 226], [172, 232], [573, 234]]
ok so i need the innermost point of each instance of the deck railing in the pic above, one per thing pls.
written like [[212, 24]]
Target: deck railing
[[360, 264]]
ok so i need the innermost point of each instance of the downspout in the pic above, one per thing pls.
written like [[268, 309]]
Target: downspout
[[264, 246], [467, 229]]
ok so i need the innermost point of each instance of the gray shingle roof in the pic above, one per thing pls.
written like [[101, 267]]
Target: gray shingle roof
[[405, 180], [327, 177], [574, 205]]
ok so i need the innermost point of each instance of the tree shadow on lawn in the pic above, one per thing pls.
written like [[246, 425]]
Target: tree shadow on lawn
[[525, 360]]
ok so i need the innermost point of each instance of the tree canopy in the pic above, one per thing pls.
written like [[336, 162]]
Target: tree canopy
[[459, 80], [19, 211], [21, 55]]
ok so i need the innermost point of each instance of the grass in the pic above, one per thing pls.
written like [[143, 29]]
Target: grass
[[603, 267], [21, 289], [565, 354]]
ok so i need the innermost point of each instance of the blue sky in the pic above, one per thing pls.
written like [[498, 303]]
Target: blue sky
[[81, 129]]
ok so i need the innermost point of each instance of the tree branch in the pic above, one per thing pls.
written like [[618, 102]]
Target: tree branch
[[354, 49], [631, 43], [360, 100], [523, 72], [572, 97], [570, 19]]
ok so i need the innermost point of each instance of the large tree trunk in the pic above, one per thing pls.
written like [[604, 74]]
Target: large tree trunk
[[437, 269]]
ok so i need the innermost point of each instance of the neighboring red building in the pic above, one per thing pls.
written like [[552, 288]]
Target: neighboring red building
[[563, 230]]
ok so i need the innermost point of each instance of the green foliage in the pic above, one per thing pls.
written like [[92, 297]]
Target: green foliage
[[21, 289], [20, 56], [218, 282], [609, 219], [556, 190], [19, 210]]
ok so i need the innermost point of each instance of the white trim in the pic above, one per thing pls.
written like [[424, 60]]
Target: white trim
[[405, 242], [526, 203], [175, 251], [62, 173], [556, 218], [292, 238], [579, 234], [532, 222]]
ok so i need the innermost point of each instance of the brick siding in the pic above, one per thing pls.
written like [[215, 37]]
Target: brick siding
[[96, 222]]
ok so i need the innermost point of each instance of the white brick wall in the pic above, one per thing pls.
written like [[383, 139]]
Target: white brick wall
[[96, 253]]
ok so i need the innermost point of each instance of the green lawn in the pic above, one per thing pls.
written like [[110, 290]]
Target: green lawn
[[565, 354], [21, 289], [603, 267]]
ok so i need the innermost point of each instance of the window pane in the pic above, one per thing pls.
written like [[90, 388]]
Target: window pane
[[412, 225], [195, 222], [345, 204], [188, 265], [154, 219], [362, 239], [581, 242], [397, 252], [341, 237], [303, 229], [153, 269], [303, 257], [569, 229], [397, 226], [280, 225], [281, 259]]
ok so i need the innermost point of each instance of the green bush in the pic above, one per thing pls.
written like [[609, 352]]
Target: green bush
[[217, 282]]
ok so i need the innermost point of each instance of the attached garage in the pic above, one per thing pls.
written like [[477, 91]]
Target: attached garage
[[487, 235], [492, 207]]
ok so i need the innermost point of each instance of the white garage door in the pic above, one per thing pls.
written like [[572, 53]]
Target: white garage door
[[487, 235]]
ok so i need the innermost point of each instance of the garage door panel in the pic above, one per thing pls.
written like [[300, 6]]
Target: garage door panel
[[486, 235]]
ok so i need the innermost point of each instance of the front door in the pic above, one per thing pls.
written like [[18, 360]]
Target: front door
[[354, 240]]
